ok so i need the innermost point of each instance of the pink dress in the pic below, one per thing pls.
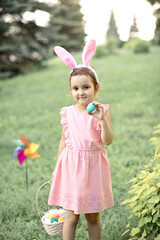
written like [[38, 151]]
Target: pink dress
[[82, 180]]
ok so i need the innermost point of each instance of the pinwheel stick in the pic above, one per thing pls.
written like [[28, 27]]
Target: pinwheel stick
[[26, 174]]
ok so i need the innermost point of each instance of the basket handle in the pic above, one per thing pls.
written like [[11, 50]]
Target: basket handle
[[37, 197]]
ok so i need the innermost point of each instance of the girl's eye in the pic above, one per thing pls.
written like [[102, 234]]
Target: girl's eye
[[75, 88], [86, 87]]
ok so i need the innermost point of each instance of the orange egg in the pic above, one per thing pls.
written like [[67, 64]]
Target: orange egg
[[61, 219]]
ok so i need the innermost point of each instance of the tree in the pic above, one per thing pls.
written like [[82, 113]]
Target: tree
[[112, 32], [23, 44], [68, 25], [156, 39], [133, 29]]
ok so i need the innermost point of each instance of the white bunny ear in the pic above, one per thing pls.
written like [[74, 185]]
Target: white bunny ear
[[65, 56], [88, 52]]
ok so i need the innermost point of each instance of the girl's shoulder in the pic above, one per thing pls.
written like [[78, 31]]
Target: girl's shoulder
[[66, 108], [63, 114]]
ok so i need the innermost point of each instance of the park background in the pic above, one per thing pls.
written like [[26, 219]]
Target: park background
[[34, 86]]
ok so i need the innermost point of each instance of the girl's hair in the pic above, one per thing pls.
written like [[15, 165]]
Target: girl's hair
[[87, 72]]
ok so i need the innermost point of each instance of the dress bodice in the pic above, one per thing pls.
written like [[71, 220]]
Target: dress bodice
[[82, 131]]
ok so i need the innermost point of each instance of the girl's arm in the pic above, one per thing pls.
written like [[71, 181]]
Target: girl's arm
[[62, 145], [106, 131], [105, 121]]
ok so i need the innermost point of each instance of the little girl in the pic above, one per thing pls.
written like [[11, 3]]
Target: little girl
[[81, 181]]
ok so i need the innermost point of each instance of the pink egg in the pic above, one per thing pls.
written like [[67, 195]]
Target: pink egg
[[61, 212], [57, 216]]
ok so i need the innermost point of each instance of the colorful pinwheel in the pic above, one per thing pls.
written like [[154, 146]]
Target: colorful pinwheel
[[23, 150]]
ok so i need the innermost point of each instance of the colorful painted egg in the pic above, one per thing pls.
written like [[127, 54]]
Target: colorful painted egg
[[91, 107], [55, 222], [61, 212], [51, 215], [47, 220], [61, 219], [54, 219], [64, 215]]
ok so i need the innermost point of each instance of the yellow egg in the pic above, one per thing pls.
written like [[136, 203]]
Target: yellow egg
[[51, 214], [60, 219]]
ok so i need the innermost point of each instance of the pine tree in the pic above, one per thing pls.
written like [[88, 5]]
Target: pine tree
[[157, 30], [133, 29], [156, 39], [68, 26], [23, 44], [112, 32]]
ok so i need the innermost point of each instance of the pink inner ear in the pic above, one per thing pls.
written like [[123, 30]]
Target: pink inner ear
[[65, 56], [88, 52]]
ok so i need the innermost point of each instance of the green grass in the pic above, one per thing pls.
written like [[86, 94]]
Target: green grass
[[30, 104]]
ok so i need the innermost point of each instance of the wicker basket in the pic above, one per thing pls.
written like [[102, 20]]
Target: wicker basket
[[51, 228]]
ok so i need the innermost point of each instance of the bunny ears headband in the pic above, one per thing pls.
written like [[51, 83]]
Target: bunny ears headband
[[87, 55]]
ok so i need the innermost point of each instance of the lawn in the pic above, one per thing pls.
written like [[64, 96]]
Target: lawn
[[30, 104]]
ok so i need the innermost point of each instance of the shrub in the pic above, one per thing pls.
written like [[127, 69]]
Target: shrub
[[145, 202], [137, 46], [111, 45], [141, 47], [101, 51]]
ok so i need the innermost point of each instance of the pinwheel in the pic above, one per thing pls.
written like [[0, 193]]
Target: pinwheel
[[23, 150]]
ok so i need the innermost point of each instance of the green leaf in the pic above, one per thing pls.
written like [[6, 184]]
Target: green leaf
[[125, 202], [155, 217], [134, 199], [125, 232], [131, 205], [128, 225], [151, 175], [137, 208], [146, 210], [154, 199], [154, 210], [148, 219], [143, 174], [132, 180], [150, 190], [144, 233], [151, 205], [130, 216], [158, 237], [135, 231], [141, 222]]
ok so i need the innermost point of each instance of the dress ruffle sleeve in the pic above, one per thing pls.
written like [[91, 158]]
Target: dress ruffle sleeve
[[63, 114], [64, 122], [105, 107]]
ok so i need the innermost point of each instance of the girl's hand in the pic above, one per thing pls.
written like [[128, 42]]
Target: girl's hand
[[99, 113]]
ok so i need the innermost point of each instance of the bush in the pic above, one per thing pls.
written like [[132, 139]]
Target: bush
[[111, 45], [137, 46], [145, 202], [101, 51], [141, 47]]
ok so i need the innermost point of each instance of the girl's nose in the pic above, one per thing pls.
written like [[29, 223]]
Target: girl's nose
[[81, 91]]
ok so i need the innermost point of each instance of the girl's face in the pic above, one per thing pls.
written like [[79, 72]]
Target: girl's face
[[82, 89]]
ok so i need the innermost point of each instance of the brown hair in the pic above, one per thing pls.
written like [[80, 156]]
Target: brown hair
[[87, 72]]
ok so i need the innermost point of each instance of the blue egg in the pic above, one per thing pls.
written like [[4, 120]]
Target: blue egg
[[91, 107], [54, 219], [64, 215]]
